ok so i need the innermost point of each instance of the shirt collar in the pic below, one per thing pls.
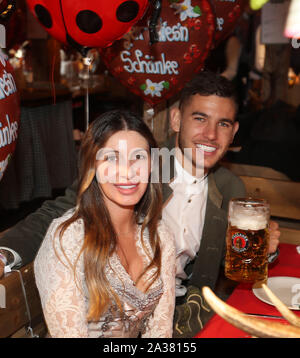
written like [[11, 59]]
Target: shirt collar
[[184, 177]]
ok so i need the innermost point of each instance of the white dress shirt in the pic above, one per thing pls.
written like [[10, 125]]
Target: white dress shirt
[[184, 213]]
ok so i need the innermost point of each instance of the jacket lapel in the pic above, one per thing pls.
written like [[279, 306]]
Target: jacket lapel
[[166, 189], [206, 265]]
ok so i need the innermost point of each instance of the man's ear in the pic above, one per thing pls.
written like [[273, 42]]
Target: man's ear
[[175, 117], [235, 129]]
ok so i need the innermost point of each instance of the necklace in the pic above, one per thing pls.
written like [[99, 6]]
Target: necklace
[[125, 233], [126, 262], [123, 252]]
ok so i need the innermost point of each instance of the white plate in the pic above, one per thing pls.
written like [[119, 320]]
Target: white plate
[[287, 289]]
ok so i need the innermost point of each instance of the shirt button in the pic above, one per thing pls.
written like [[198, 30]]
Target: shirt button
[[190, 200], [195, 181]]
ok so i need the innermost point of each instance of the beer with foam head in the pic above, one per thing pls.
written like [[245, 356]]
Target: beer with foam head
[[247, 240]]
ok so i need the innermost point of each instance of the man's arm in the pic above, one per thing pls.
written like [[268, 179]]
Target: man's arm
[[27, 235], [233, 187]]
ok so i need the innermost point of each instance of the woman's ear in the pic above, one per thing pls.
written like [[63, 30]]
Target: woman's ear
[[175, 117]]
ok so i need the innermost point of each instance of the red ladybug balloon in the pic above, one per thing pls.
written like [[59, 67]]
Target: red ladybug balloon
[[87, 23], [9, 112]]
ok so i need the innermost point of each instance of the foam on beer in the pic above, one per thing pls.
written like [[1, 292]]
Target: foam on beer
[[246, 219]]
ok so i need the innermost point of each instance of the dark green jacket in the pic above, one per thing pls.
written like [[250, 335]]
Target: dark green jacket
[[222, 186]]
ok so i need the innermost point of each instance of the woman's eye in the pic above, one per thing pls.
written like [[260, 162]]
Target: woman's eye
[[110, 158], [140, 156]]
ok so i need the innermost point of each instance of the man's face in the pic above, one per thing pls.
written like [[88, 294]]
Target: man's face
[[206, 124]]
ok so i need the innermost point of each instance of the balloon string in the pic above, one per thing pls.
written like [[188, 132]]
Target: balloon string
[[149, 116], [52, 77], [87, 109]]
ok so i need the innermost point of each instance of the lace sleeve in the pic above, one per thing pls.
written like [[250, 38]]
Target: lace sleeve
[[62, 298], [160, 324]]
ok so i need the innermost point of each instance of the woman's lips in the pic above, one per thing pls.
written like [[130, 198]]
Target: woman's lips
[[127, 188]]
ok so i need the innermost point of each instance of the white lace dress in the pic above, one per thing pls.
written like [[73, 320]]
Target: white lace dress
[[65, 302]]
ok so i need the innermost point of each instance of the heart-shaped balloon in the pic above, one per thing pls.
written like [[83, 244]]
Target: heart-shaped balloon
[[227, 13], [159, 71], [9, 112]]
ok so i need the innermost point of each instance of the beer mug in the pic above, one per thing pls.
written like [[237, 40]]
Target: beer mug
[[247, 240]]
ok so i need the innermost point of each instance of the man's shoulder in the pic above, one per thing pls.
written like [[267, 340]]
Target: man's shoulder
[[222, 172], [226, 179]]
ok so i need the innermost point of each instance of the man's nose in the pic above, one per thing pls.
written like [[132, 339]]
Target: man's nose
[[210, 131]]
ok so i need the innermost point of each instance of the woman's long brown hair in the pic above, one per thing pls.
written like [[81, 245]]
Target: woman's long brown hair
[[100, 238]]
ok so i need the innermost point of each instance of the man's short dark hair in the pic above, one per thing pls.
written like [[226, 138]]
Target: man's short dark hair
[[208, 83]]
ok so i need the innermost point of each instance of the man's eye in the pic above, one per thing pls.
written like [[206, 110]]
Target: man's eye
[[200, 119], [224, 124]]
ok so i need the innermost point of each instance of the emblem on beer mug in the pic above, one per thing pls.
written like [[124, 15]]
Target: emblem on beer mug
[[240, 242]]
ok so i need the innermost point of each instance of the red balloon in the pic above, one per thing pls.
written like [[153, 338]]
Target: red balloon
[[227, 14], [87, 23], [9, 112], [159, 71]]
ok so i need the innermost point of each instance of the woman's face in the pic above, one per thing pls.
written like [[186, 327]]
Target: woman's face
[[123, 169]]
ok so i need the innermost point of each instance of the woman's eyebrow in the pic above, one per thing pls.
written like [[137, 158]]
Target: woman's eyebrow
[[105, 151], [139, 150], [109, 150]]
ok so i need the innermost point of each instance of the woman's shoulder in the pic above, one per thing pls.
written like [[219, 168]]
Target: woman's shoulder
[[73, 234], [76, 225]]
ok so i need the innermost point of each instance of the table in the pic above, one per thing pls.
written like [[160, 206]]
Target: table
[[242, 298], [14, 314]]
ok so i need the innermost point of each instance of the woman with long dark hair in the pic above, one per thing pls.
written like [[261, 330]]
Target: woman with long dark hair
[[107, 267]]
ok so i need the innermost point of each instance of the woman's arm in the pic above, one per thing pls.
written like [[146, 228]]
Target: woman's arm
[[160, 324], [62, 298]]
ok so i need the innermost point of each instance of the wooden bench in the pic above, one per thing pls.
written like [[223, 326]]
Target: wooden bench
[[282, 194], [15, 315]]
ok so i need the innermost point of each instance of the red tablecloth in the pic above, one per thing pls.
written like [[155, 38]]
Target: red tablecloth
[[242, 298]]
